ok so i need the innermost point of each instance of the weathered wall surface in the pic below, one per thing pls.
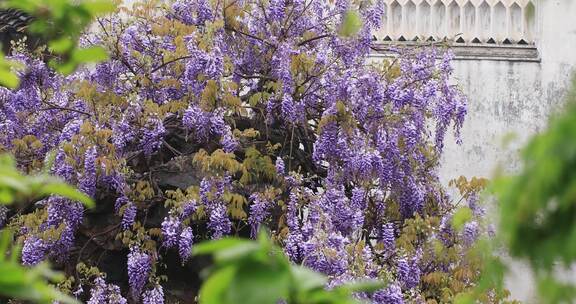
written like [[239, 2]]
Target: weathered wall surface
[[508, 97], [514, 98]]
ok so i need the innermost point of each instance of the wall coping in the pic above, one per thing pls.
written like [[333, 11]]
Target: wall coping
[[466, 51]]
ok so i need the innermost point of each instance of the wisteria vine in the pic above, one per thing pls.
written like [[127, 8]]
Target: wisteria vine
[[216, 118]]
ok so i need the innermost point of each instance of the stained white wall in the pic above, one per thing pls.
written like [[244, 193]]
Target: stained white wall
[[514, 98], [507, 97]]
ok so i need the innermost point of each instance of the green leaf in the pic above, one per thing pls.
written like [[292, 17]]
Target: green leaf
[[63, 189], [92, 54], [39, 26], [306, 279], [29, 284], [214, 246], [6, 196], [258, 283], [464, 298], [64, 68], [51, 295], [362, 286], [99, 7], [12, 274], [236, 252], [8, 79], [49, 161], [15, 254], [25, 5], [327, 297], [213, 290], [13, 181], [7, 161], [45, 271], [61, 46], [461, 216], [5, 240], [351, 24]]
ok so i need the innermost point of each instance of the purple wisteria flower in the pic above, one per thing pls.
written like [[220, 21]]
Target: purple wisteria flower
[[105, 293], [139, 266], [219, 223], [171, 228], [153, 296], [258, 213], [280, 168], [189, 208], [185, 243], [391, 295], [408, 273], [152, 136], [3, 215], [88, 181], [33, 251], [129, 216], [387, 237], [470, 232]]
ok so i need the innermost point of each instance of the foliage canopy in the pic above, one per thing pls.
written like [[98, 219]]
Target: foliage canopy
[[212, 118]]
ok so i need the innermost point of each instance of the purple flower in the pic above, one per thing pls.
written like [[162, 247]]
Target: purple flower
[[292, 212], [183, 11], [470, 232], [3, 215], [205, 189], [258, 213], [171, 228], [189, 208], [198, 121], [363, 142], [280, 166], [123, 134], [390, 295], [33, 251], [203, 11], [185, 243], [229, 142], [408, 273], [88, 180], [387, 237], [79, 291], [276, 9], [153, 296], [62, 168], [152, 136], [120, 201], [98, 293], [293, 246], [62, 246], [139, 266], [62, 210], [105, 293], [288, 108], [70, 129], [374, 14], [129, 216], [219, 222], [281, 63]]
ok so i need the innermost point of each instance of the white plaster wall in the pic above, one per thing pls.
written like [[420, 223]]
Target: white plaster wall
[[513, 98]]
